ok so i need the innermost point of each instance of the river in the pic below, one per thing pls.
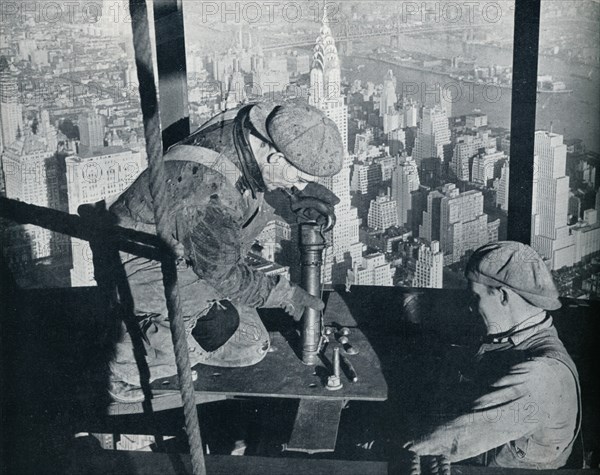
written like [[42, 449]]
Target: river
[[575, 115]]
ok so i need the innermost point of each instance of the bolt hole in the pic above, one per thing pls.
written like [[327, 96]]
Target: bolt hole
[[312, 385]]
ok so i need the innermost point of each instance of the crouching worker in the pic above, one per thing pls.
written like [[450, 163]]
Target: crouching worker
[[217, 178], [523, 406]]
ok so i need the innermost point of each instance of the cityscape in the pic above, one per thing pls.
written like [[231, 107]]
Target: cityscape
[[421, 97]]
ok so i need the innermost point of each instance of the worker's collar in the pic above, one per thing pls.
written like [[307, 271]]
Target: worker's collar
[[522, 331]]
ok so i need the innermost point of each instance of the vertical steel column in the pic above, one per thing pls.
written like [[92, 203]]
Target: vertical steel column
[[311, 244], [522, 127], [172, 71]]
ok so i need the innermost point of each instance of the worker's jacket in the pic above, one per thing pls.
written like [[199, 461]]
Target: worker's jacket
[[214, 220], [525, 404], [217, 224]]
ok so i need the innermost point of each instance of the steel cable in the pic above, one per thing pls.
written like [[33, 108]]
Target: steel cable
[[158, 191]]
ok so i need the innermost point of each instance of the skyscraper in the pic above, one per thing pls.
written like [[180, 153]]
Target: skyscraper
[[429, 270], [382, 213], [387, 100], [325, 94], [429, 229], [93, 175], [411, 113], [433, 135], [396, 140], [438, 97], [550, 235], [325, 90], [405, 180], [392, 119], [11, 111], [366, 178], [466, 149], [463, 224], [236, 94], [29, 170], [91, 130], [344, 238], [486, 165], [502, 192]]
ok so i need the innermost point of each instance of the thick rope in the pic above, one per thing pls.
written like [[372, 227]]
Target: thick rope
[[152, 133]]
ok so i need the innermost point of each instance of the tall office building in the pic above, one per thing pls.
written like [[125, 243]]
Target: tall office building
[[391, 117], [429, 229], [410, 112], [429, 270], [93, 175], [396, 140], [366, 178], [91, 130], [382, 213], [502, 191], [463, 224], [486, 166], [587, 232], [30, 172], [433, 135], [387, 100], [236, 94], [574, 208], [387, 165], [405, 180], [11, 111], [438, 97], [325, 90], [550, 235], [467, 147], [325, 94], [372, 269]]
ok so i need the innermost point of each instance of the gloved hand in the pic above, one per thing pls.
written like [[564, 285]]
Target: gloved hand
[[316, 190], [314, 203], [298, 302], [292, 299]]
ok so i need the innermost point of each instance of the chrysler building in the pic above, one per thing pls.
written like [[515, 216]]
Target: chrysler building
[[325, 94]]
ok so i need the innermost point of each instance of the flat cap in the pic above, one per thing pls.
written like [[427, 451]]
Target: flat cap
[[308, 139], [516, 266]]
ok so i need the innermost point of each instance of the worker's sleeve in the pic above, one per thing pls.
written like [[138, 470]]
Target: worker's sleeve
[[215, 248], [513, 407]]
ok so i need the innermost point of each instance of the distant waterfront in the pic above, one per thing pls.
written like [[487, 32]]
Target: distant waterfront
[[575, 115]]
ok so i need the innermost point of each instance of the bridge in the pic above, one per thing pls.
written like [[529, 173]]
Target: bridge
[[346, 33]]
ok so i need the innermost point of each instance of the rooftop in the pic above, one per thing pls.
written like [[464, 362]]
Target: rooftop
[[85, 152]]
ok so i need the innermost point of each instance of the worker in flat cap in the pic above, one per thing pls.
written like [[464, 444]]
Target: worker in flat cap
[[522, 405], [217, 178]]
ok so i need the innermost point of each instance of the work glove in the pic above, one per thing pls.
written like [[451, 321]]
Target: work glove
[[299, 301], [314, 203], [292, 299], [316, 190]]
